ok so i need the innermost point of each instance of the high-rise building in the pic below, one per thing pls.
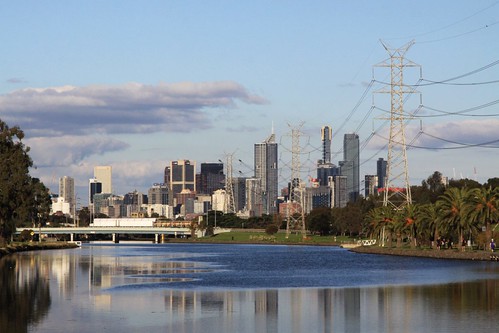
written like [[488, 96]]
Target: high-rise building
[[182, 177], [158, 194], [67, 191], [166, 177], [340, 191], [254, 205], [104, 175], [239, 192], [94, 187], [266, 171], [350, 166], [370, 185], [326, 137], [381, 172], [326, 170], [211, 178], [132, 203]]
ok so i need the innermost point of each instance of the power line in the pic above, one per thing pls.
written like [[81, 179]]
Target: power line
[[448, 25], [461, 145], [461, 112], [460, 35], [433, 82], [359, 102], [449, 113]]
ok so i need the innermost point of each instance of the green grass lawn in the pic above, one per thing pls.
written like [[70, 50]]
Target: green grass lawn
[[279, 238]]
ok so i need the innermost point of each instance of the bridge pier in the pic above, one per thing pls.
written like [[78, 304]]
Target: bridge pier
[[156, 238], [71, 237], [116, 238]]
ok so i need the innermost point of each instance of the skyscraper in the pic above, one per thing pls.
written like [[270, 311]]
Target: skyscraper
[[182, 177], [239, 192], [104, 175], [350, 166], [266, 171], [325, 168], [67, 191], [158, 194], [370, 185], [211, 178], [94, 187], [253, 197], [381, 172], [326, 137], [340, 191]]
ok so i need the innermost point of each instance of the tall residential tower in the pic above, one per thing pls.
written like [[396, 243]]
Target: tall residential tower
[[350, 166], [103, 174], [266, 171], [67, 191]]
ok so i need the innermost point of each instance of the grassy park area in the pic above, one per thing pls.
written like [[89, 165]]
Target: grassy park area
[[260, 237]]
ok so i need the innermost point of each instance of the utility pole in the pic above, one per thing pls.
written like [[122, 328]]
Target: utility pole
[[229, 185], [295, 210], [397, 191]]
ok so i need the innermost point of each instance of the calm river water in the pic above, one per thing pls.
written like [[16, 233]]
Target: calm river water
[[243, 288]]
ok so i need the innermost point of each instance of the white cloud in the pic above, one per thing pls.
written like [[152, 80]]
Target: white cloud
[[445, 135], [68, 150], [131, 107]]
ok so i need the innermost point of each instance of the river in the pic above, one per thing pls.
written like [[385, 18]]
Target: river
[[243, 288]]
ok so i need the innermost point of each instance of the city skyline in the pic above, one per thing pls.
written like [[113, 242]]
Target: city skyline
[[145, 84]]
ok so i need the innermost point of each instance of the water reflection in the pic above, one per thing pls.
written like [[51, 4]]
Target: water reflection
[[119, 290], [459, 307], [24, 294]]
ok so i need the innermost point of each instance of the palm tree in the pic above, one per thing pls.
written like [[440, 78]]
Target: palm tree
[[484, 207], [380, 222], [410, 220], [454, 211], [429, 218]]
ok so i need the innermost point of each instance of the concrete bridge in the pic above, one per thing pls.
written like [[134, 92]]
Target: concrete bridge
[[115, 231]]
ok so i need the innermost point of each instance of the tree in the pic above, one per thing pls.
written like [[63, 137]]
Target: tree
[[319, 221], [484, 207], [453, 210], [15, 181], [84, 217], [430, 189], [411, 223], [464, 183], [271, 229], [381, 223], [492, 182], [38, 203], [428, 217]]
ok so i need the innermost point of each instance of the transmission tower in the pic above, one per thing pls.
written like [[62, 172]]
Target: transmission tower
[[295, 211], [397, 190], [229, 185]]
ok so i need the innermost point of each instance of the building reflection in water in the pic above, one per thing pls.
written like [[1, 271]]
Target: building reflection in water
[[460, 307]]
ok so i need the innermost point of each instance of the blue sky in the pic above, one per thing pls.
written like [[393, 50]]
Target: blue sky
[[136, 84]]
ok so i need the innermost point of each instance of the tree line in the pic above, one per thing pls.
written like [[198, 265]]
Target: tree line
[[22, 197], [462, 213]]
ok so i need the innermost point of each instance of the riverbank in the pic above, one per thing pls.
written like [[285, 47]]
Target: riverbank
[[428, 253], [22, 247]]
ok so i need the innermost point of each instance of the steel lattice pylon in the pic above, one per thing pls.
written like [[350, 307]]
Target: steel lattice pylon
[[229, 186], [294, 211], [397, 191]]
